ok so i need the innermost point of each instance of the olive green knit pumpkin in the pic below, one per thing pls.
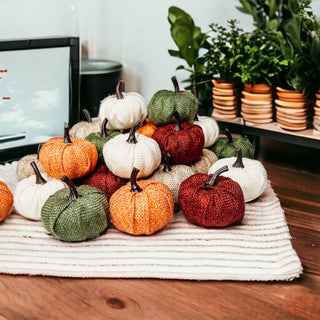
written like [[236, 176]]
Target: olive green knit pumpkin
[[165, 102], [227, 147], [76, 214]]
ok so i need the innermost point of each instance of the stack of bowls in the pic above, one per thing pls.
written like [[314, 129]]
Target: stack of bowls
[[292, 109], [257, 103], [225, 99], [316, 116]]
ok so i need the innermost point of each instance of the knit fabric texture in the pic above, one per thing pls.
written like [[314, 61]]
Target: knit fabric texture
[[147, 129], [184, 145], [103, 179], [202, 165], [83, 128], [165, 102], [24, 169], [210, 130], [76, 220], [211, 206], [6, 201], [142, 212]]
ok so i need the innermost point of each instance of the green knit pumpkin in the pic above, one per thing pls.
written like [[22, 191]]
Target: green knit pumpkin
[[100, 138], [76, 214], [165, 102], [227, 147]]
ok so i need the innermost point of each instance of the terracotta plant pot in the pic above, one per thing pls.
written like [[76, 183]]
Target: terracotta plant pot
[[316, 116]]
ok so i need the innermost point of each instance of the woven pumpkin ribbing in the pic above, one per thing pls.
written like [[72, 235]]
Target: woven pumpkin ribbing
[[6, 201], [202, 165]]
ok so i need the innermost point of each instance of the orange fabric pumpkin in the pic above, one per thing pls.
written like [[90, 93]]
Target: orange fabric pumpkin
[[147, 129], [141, 209], [72, 157], [6, 201]]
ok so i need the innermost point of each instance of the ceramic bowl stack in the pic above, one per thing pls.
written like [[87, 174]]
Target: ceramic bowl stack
[[257, 103], [225, 99], [293, 109], [316, 116]]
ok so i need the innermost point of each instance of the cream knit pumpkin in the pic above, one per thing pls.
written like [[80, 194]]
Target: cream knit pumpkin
[[24, 169], [202, 165], [83, 128], [210, 129]]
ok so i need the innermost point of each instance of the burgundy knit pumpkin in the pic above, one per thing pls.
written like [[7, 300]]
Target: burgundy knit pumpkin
[[211, 200], [103, 179], [183, 140]]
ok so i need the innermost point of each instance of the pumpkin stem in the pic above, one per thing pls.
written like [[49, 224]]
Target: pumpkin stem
[[39, 177], [133, 180], [119, 89], [178, 123], [239, 162], [66, 134], [175, 84], [74, 195], [87, 115], [196, 117], [229, 136], [213, 180], [104, 133], [39, 147], [167, 167], [132, 134]]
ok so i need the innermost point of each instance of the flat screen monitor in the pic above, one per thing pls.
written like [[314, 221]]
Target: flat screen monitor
[[39, 92]]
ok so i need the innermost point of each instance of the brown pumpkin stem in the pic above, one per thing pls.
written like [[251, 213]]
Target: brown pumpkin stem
[[132, 134], [39, 147], [196, 117], [133, 180], [229, 136], [119, 89], [39, 178], [213, 180], [104, 133], [66, 134], [87, 115], [239, 162], [167, 167], [175, 84], [178, 123], [74, 195]]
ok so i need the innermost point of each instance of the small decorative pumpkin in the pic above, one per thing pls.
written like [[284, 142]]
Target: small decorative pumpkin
[[210, 129], [141, 209], [202, 165], [72, 157], [76, 214], [100, 138], [123, 109], [147, 129], [227, 147], [6, 201], [103, 179], [31, 193], [83, 128], [250, 174], [211, 200], [165, 102], [183, 140], [126, 151]]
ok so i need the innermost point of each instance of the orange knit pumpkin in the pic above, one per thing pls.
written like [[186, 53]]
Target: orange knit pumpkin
[[72, 157], [6, 201], [147, 129], [141, 209]]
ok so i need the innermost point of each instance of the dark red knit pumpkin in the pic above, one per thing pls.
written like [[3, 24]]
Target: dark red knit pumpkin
[[211, 200], [183, 140], [103, 179]]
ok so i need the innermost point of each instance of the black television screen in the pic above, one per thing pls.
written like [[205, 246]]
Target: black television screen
[[39, 92]]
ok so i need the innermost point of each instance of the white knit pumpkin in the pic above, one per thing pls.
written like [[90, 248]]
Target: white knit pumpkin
[[30, 195], [249, 173], [83, 128], [123, 109], [210, 129], [202, 165], [132, 150], [24, 169]]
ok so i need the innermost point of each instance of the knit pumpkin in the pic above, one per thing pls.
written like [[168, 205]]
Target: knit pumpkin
[[164, 102], [126, 151], [183, 140], [250, 174], [83, 128], [100, 138], [123, 109], [6, 201], [103, 179], [210, 129], [211, 200], [202, 165], [148, 128], [226, 147], [141, 209], [76, 214], [31, 193], [72, 157]]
